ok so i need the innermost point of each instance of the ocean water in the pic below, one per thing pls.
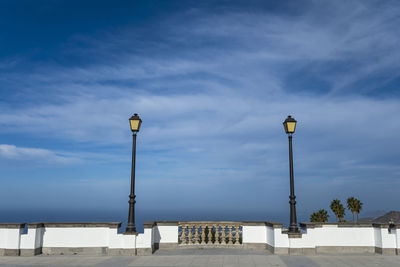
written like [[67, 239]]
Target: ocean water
[[121, 215]]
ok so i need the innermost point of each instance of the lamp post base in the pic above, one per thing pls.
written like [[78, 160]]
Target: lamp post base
[[294, 229], [130, 233], [130, 228]]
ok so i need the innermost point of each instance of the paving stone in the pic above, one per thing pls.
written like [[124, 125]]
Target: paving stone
[[298, 261], [204, 258]]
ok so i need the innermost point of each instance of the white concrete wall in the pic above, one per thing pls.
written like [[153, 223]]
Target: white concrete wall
[[281, 240], [95, 237], [296, 243], [254, 234], [32, 239], [378, 237], [76, 237], [309, 238], [145, 240], [270, 236], [121, 241], [386, 240], [166, 234], [332, 235], [327, 235], [73, 237], [10, 237]]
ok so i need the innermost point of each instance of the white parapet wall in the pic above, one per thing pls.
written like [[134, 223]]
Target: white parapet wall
[[254, 235], [338, 238], [121, 244], [265, 235], [386, 237], [349, 238], [397, 233], [104, 239], [10, 238], [32, 242], [323, 238], [166, 234], [145, 242], [73, 238]]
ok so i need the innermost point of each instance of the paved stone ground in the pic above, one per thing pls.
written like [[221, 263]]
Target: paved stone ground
[[204, 258]]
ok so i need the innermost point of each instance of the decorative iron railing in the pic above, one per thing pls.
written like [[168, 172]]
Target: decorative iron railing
[[210, 233]]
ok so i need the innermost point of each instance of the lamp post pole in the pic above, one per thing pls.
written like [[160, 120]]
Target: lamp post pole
[[293, 218], [290, 126], [135, 123], [131, 228]]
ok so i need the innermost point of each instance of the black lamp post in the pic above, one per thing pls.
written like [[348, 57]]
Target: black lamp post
[[135, 122], [290, 125]]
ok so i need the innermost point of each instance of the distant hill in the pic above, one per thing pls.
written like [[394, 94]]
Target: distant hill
[[374, 213], [390, 216], [367, 219], [386, 218]]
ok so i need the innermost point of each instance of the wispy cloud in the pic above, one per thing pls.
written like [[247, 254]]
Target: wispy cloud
[[34, 154], [42, 156]]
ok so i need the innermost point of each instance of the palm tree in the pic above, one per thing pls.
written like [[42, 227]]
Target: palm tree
[[341, 213], [358, 207], [338, 209], [334, 207], [319, 216], [351, 205]]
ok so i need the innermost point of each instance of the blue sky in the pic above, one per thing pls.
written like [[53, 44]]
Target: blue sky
[[213, 82]]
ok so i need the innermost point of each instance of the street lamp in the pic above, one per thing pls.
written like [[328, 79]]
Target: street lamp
[[135, 123], [290, 125]]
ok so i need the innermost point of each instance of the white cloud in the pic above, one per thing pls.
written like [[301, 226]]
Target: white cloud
[[34, 154], [46, 156]]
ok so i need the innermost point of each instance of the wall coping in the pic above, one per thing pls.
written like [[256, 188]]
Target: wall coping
[[254, 223], [263, 223], [150, 224], [386, 225], [167, 223], [292, 235], [210, 222], [35, 225], [348, 225], [130, 233], [76, 224], [12, 225], [244, 223], [274, 224]]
